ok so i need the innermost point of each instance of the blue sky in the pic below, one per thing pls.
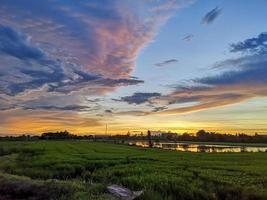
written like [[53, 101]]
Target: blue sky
[[238, 22], [136, 65]]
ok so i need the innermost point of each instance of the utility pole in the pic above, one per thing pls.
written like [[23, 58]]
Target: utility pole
[[150, 143]]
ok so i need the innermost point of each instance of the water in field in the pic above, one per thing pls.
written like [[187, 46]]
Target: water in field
[[208, 148]]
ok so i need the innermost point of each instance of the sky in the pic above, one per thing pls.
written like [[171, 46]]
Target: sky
[[173, 65]]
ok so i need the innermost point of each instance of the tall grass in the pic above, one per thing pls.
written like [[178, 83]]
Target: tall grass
[[86, 168]]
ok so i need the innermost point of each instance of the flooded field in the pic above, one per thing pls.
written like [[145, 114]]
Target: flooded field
[[208, 148]]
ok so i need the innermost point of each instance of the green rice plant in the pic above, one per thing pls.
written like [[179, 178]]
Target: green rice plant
[[82, 170]]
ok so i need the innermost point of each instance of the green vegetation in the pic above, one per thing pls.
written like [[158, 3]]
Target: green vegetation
[[81, 170]]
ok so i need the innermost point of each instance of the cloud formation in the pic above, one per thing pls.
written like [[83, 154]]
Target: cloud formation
[[252, 44], [81, 48], [109, 37], [166, 62], [245, 78], [33, 68], [53, 107], [16, 44], [139, 98], [160, 108], [94, 83], [69, 52], [211, 16], [188, 38]]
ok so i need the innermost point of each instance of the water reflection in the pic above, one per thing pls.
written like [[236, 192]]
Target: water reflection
[[207, 148]]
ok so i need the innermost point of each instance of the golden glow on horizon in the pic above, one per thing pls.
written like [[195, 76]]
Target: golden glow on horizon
[[37, 126], [230, 119]]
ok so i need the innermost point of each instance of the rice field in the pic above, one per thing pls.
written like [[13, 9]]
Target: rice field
[[82, 170]]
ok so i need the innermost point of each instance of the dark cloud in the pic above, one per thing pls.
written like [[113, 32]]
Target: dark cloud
[[91, 81], [16, 44], [211, 15], [251, 73], [96, 100], [7, 107], [108, 111], [82, 80], [34, 79], [61, 108], [249, 69], [133, 113], [38, 79], [120, 82], [166, 62], [160, 108], [139, 97], [188, 38], [252, 44], [84, 76], [34, 69]]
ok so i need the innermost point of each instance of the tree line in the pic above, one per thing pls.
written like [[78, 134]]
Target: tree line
[[200, 136]]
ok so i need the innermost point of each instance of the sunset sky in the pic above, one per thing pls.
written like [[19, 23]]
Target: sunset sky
[[174, 65]]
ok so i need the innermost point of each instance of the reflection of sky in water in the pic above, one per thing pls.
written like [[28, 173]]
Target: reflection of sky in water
[[208, 148]]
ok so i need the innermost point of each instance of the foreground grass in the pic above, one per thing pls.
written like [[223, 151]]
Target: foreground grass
[[82, 170]]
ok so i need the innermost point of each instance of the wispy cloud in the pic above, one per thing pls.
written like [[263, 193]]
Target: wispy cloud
[[188, 38], [63, 108], [108, 111], [211, 15], [245, 78], [166, 62], [96, 84]]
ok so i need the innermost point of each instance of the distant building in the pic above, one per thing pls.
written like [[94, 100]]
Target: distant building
[[156, 133]]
